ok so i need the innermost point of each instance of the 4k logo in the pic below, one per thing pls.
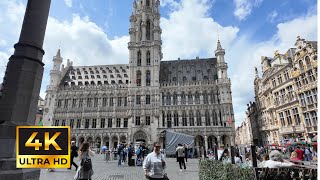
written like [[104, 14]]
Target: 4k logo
[[43, 146]]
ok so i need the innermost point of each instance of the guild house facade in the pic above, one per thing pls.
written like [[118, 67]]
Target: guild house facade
[[109, 104]]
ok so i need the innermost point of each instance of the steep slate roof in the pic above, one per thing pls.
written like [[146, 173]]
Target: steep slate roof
[[188, 70], [104, 74]]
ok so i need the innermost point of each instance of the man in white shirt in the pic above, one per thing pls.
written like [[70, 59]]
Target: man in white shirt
[[275, 161], [181, 155]]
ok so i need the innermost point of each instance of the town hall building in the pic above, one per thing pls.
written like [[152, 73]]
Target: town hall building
[[109, 104]]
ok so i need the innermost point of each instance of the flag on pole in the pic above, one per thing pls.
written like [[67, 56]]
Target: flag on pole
[[230, 121]]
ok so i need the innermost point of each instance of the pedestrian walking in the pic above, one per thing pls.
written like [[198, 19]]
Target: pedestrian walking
[[154, 164], [186, 152], [120, 154], [74, 153], [130, 154], [85, 170], [181, 156]]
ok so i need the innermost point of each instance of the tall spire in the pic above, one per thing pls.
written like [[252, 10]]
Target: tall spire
[[58, 54], [219, 45]]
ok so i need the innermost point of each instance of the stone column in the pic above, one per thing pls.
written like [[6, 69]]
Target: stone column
[[205, 143], [21, 87], [219, 141]]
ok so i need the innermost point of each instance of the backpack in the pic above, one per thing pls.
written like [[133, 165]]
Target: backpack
[[86, 163], [138, 151]]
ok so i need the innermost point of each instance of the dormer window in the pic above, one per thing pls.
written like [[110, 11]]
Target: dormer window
[[118, 76], [105, 76], [79, 77], [111, 76], [123, 70], [85, 72], [125, 75], [91, 72], [113, 82], [92, 76], [98, 76], [103, 71], [86, 77]]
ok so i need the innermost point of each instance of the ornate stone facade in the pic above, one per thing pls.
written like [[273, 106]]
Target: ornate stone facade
[[288, 81], [137, 101]]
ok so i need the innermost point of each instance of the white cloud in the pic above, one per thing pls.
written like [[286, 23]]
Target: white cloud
[[244, 7], [187, 34], [68, 3], [272, 16], [244, 55]]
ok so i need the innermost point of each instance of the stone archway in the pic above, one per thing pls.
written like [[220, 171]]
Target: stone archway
[[90, 141], [98, 143], [80, 141], [140, 136], [106, 141], [123, 139], [73, 139], [114, 142], [226, 141], [212, 140], [199, 146]]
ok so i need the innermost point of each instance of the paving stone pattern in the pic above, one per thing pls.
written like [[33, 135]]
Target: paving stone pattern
[[110, 171]]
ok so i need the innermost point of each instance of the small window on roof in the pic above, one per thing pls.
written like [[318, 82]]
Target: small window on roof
[[113, 82], [105, 76], [111, 76]]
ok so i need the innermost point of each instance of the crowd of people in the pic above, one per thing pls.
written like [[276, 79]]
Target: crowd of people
[[153, 160], [271, 157]]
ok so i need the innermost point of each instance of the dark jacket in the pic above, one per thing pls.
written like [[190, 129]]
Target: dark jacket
[[74, 151]]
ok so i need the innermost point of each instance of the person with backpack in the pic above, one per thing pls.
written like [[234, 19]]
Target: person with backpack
[[139, 156], [120, 153], [85, 171], [74, 153]]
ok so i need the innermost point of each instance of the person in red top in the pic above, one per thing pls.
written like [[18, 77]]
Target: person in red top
[[299, 153]]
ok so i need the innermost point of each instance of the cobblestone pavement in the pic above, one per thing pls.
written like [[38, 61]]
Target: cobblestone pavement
[[110, 171]]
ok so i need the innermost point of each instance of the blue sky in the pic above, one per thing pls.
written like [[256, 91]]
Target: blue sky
[[93, 32]]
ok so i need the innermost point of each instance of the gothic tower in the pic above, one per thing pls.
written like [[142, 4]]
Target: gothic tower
[[55, 78], [144, 62]]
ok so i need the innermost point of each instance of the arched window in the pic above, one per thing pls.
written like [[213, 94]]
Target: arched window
[[212, 98], [139, 59], [175, 99], [199, 122], [148, 33], [197, 97], [184, 118], [168, 99], [148, 58], [191, 118], [148, 3], [176, 118], [163, 99], [207, 117], [148, 78], [307, 60], [190, 98], [205, 98], [163, 119], [301, 64], [138, 80], [183, 98], [215, 118], [169, 121]]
